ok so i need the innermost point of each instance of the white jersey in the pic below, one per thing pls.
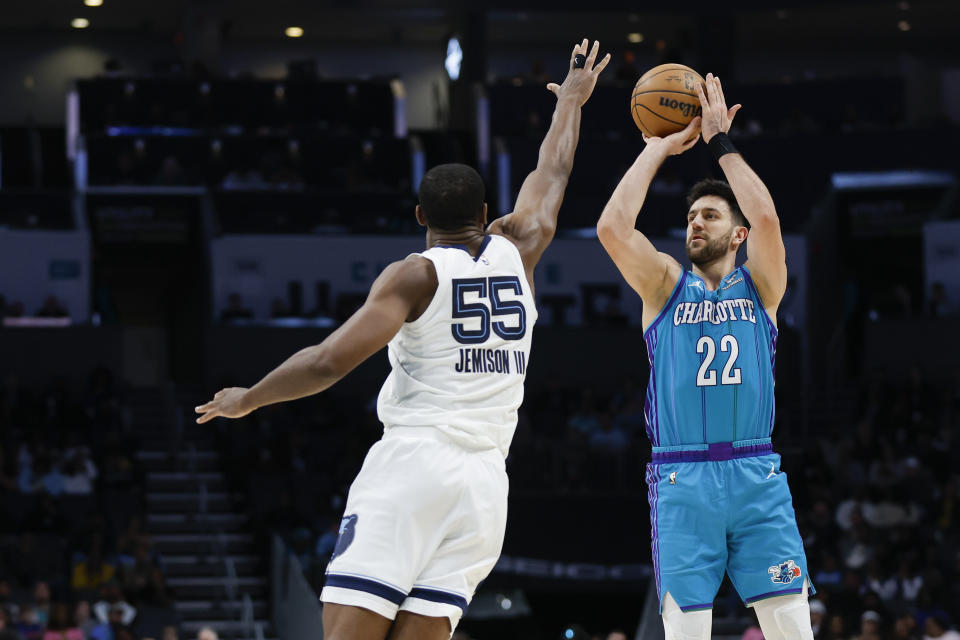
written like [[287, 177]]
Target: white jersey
[[459, 368]]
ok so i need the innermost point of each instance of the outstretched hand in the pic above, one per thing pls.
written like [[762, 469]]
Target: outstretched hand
[[226, 403], [676, 143], [579, 83], [716, 117]]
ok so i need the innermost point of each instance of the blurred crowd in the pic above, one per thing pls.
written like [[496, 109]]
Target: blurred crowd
[[75, 560], [52, 307]]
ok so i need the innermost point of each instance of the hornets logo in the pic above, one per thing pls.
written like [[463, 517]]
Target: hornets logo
[[784, 573], [347, 528]]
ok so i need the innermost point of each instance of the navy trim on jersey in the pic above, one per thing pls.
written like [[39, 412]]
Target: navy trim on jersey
[[435, 595], [681, 281], [753, 286], [357, 583], [463, 247]]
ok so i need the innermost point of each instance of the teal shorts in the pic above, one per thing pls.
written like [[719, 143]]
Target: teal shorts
[[728, 509]]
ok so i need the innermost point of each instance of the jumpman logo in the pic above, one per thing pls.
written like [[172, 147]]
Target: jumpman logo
[[773, 470], [673, 477]]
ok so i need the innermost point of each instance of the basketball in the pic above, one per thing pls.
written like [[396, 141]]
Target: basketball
[[665, 99]]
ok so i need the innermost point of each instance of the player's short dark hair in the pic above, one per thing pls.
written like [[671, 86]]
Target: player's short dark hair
[[451, 196], [711, 187]]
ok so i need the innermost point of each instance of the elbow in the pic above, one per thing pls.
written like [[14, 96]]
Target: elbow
[[766, 217], [606, 231], [323, 366]]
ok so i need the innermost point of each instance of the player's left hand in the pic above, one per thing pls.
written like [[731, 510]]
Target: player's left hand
[[226, 403], [580, 82], [716, 117]]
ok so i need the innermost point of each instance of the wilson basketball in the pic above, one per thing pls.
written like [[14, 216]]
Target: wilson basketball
[[665, 99]]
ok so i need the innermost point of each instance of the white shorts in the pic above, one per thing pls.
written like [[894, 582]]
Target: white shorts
[[423, 526]]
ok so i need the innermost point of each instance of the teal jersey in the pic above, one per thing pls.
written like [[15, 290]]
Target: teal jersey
[[711, 364]]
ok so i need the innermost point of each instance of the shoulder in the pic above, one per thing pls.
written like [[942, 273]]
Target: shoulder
[[412, 275]]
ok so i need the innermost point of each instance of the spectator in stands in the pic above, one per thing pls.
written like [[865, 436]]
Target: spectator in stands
[[135, 575], [93, 572], [42, 475], [617, 634], [108, 630], [134, 537], [869, 625], [41, 602], [28, 626], [170, 633], [15, 309], [60, 626], [111, 600], [905, 628], [835, 628], [937, 628], [79, 473], [83, 619], [206, 633], [235, 309]]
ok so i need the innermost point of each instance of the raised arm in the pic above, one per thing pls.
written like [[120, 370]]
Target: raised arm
[[533, 222], [766, 255], [400, 294], [651, 274]]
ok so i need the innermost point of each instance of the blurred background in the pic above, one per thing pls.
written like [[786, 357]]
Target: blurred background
[[192, 191]]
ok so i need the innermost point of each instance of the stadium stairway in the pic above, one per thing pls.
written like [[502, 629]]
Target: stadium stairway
[[214, 567]]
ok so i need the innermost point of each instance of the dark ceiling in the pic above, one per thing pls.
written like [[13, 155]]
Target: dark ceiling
[[759, 24]]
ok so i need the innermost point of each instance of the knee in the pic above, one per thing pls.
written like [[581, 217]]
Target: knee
[[789, 614], [680, 625]]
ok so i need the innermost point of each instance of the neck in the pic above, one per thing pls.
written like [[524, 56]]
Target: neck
[[471, 237], [713, 272]]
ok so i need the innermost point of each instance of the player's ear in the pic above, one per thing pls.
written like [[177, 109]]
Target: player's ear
[[421, 219], [484, 215], [740, 233]]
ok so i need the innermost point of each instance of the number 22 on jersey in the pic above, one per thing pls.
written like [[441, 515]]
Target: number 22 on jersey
[[707, 377]]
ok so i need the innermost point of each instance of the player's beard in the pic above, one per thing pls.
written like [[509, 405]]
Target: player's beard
[[710, 251]]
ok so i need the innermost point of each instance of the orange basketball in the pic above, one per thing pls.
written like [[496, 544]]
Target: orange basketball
[[665, 99]]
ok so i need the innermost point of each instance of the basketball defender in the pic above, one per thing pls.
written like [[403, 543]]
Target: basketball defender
[[718, 500], [425, 517]]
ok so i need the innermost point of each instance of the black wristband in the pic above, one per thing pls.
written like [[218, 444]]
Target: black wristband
[[720, 145]]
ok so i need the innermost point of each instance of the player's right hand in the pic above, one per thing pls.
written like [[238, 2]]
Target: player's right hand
[[579, 83], [676, 143], [226, 403]]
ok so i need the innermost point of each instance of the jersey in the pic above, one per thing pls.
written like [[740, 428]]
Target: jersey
[[460, 366], [711, 359]]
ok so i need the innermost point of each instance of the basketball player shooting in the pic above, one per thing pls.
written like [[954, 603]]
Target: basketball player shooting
[[718, 500], [425, 517]]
